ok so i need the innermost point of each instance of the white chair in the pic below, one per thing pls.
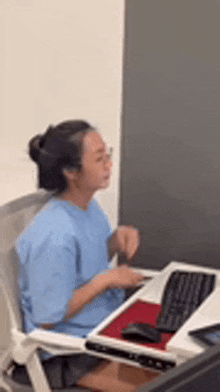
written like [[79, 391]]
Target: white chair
[[23, 348]]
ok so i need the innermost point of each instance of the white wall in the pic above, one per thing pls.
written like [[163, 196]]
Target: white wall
[[61, 60]]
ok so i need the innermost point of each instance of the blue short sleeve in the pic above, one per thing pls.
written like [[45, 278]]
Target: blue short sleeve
[[52, 278]]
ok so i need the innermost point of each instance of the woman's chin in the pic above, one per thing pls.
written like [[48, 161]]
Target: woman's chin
[[105, 183]]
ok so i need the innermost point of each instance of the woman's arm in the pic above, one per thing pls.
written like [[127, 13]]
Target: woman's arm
[[84, 296], [87, 293], [117, 278]]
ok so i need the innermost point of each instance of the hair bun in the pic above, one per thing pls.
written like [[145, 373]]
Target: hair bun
[[35, 145]]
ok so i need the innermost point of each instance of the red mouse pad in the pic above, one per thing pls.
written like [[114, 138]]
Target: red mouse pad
[[138, 312]]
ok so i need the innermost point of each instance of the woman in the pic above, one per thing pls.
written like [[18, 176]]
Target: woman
[[66, 282]]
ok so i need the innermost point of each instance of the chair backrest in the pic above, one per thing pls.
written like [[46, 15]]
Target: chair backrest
[[14, 217]]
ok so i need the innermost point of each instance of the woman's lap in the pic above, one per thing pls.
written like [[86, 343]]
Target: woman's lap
[[89, 371], [117, 377], [61, 371]]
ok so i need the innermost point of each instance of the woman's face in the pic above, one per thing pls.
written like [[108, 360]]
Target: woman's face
[[96, 163]]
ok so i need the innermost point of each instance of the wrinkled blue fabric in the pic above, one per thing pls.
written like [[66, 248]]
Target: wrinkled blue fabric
[[61, 250]]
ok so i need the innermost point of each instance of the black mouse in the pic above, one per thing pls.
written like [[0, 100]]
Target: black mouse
[[144, 333]]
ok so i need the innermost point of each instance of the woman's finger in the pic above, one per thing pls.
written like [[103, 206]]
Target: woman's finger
[[122, 240], [132, 244], [131, 247]]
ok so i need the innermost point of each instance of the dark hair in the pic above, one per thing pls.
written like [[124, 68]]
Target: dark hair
[[59, 148]]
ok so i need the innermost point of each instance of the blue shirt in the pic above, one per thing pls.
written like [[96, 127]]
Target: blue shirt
[[60, 251]]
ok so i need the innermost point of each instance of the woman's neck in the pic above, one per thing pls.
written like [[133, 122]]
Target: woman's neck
[[80, 200]]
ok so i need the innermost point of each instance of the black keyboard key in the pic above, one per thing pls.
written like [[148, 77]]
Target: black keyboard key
[[180, 287], [207, 288]]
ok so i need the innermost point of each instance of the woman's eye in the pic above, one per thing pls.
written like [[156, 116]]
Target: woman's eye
[[99, 159]]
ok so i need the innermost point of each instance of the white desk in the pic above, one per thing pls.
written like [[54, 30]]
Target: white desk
[[181, 347]]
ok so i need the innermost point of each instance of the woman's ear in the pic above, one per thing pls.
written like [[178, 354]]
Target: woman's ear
[[70, 174]]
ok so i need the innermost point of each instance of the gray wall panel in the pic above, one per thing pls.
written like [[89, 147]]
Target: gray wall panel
[[170, 170]]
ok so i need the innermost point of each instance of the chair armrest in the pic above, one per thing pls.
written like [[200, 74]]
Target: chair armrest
[[58, 340], [25, 344]]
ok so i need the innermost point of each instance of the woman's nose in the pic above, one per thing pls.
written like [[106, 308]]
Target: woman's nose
[[109, 164]]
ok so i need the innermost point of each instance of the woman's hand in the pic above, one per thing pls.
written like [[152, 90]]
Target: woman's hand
[[126, 240], [122, 277]]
